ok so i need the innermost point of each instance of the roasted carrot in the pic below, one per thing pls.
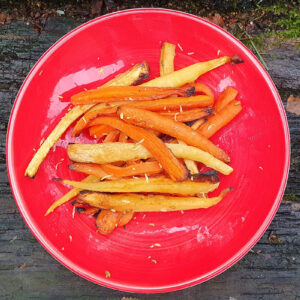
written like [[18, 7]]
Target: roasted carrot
[[150, 141], [228, 95], [201, 88], [106, 109], [168, 126], [189, 115], [107, 221], [149, 168], [198, 123], [222, 118], [125, 218], [99, 130], [123, 137], [90, 211], [109, 109], [128, 93], [92, 169], [112, 136]]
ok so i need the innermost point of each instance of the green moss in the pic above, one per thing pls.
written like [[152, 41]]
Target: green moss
[[290, 198]]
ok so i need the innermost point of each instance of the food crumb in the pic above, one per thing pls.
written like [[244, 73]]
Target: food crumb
[[163, 210], [192, 178], [125, 201], [182, 212], [154, 261], [34, 150], [191, 53], [144, 216], [157, 245], [134, 177], [98, 58], [149, 256], [73, 212], [218, 53], [113, 210], [260, 168], [70, 237], [179, 46], [151, 224], [175, 116], [237, 103], [180, 108], [101, 70], [160, 165], [107, 274], [146, 178], [60, 97], [84, 120], [41, 72], [131, 99], [106, 176], [42, 141], [85, 89], [62, 248], [121, 116], [13, 239], [141, 141]]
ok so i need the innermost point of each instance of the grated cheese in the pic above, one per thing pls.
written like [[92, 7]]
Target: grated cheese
[[179, 46], [106, 176], [73, 212], [107, 274], [121, 116], [146, 178], [190, 53]]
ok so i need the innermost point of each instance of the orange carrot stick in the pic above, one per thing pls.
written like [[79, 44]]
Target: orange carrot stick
[[228, 95], [90, 211], [92, 169], [189, 115], [112, 136], [169, 162], [128, 93], [222, 118], [107, 221], [125, 218], [123, 137], [99, 130], [168, 126], [201, 88], [149, 168], [155, 105], [107, 109]]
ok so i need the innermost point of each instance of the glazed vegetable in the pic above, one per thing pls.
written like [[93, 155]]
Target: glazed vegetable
[[148, 203], [150, 141], [163, 185], [190, 73], [132, 76], [113, 152], [220, 119], [129, 93], [165, 125]]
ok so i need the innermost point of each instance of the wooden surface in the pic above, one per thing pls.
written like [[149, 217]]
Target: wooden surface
[[269, 271]]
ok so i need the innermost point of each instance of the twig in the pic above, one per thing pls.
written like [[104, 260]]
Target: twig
[[258, 53]]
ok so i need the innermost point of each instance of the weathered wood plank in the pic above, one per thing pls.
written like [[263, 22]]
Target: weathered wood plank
[[270, 271]]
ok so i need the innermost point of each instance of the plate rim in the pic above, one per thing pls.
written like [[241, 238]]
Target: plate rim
[[131, 287]]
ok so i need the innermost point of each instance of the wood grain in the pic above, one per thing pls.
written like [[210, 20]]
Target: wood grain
[[269, 271]]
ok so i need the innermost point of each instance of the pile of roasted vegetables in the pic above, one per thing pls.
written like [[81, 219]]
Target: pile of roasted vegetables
[[152, 138]]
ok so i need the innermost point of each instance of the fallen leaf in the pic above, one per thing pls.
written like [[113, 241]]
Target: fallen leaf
[[293, 105], [273, 239], [3, 18], [96, 7], [218, 20]]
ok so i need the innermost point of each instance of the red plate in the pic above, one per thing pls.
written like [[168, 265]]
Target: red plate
[[196, 245]]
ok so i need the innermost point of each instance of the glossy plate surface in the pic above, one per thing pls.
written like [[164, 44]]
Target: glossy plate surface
[[195, 245]]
